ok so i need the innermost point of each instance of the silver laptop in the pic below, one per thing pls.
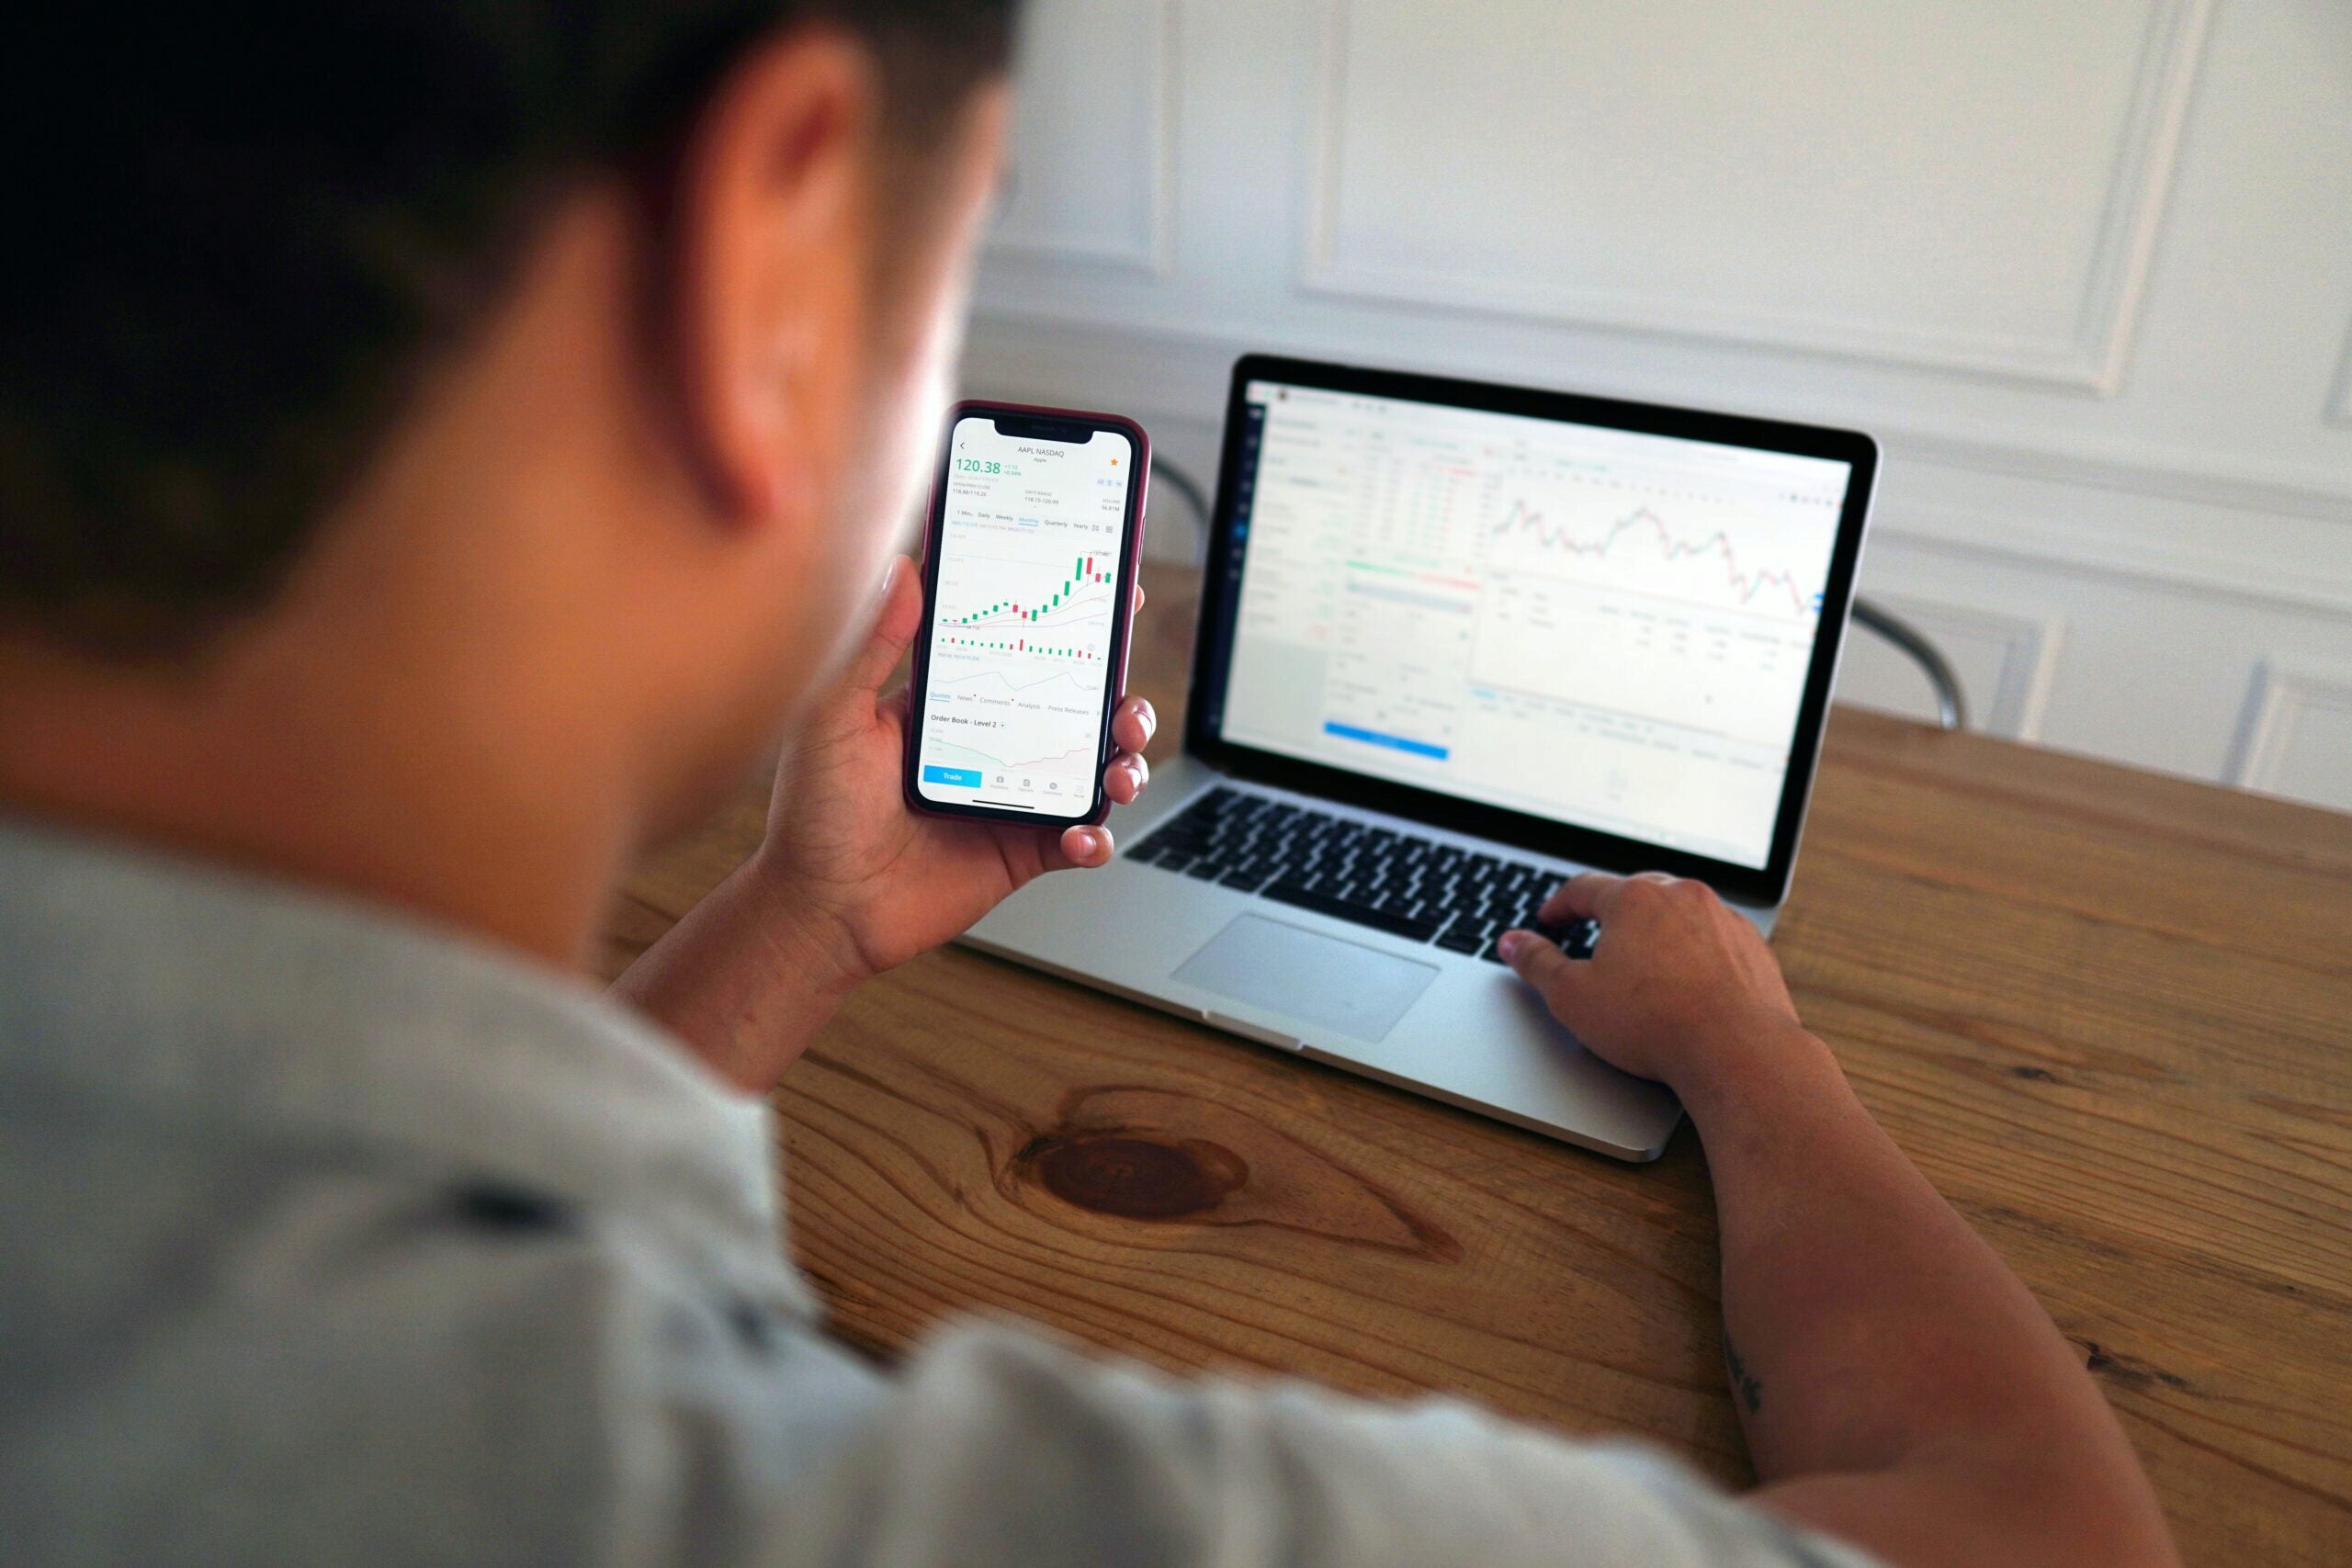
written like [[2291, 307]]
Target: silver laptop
[[1458, 641]]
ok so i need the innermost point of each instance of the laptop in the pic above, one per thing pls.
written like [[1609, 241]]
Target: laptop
[[1458, 641]]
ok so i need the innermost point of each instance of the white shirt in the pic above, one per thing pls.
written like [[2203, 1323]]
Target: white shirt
[[327, 1238]]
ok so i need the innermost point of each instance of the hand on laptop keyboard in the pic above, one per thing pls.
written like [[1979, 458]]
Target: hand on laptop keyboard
[[1390, 880], [1685, 991]]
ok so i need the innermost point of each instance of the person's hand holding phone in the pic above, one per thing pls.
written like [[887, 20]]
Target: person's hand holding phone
[[894, 824], [874, 880]]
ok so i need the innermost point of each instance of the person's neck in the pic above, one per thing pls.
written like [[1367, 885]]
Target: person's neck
[[404, 823], [330, 752]]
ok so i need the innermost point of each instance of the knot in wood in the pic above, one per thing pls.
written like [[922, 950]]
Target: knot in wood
[[1137, 1178]]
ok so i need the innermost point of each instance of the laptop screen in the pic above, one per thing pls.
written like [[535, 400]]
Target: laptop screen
[[1606, 627]]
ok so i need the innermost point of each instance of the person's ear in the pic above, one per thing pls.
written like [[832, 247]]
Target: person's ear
[[769, 255]]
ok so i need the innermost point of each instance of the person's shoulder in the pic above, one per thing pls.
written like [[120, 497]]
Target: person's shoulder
[[267, 1352]]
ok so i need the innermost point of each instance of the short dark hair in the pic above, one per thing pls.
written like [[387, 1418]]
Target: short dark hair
[[242, 227]]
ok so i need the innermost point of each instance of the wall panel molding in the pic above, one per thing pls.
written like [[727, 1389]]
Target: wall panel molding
[[2007, 663], [2091, 356], [2110, 556], [2156, 472], [2295, 710], [1046, 231]]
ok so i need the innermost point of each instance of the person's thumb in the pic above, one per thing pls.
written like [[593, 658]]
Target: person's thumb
[[895, 623], [1537, 960]]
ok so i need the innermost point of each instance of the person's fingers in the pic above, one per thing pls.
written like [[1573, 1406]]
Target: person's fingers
[[1537, 961], [1140, 598], [1134, 725], [1125, 778], [1581, 898], [895, 623], [1085, 846]]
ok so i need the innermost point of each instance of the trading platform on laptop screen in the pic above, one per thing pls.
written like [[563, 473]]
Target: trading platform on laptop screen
[[1605, 628]]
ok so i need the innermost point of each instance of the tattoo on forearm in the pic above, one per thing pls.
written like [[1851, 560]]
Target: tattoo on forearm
[[1745, 1384]]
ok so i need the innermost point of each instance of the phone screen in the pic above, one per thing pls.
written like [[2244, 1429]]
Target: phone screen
[[1017, 672]]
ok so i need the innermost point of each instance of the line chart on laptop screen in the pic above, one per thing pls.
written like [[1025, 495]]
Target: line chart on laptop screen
[[1597, 625]]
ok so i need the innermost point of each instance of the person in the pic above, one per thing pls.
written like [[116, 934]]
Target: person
[[441, 445]]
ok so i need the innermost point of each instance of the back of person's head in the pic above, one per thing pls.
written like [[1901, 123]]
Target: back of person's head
[[242, 230]]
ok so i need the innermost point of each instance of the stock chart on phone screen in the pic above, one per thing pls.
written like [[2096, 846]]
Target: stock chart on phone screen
[[1595, 625], [1026, 604]]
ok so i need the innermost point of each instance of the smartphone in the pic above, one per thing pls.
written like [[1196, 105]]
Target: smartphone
[[1028, 581]]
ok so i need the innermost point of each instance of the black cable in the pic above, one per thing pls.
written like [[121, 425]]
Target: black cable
[[1185, 485]]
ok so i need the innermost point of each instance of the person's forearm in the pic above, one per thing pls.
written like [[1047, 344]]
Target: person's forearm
[[745, 978], [1871, 1333]]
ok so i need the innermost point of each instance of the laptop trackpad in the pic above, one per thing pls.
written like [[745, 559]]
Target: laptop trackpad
[[1320, 979]]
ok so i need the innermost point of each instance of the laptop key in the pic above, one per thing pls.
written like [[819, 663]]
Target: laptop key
[[1457, 939], [1303, 896], [1575, 936]]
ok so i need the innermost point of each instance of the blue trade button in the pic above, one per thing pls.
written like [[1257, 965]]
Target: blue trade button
[[967, 778], [1393, 742]]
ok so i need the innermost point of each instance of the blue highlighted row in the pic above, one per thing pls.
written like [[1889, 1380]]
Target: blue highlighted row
[[1393, 742], [968, 778]]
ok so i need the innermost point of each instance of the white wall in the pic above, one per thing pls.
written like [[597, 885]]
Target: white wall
[[2084, 267]]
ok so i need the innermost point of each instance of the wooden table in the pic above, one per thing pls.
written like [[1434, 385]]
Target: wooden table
[[2109, 1014]]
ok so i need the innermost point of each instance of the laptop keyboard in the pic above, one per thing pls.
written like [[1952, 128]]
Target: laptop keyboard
[[1390, 880]]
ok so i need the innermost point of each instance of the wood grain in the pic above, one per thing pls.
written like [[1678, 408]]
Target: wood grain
[[2106, 1012]]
